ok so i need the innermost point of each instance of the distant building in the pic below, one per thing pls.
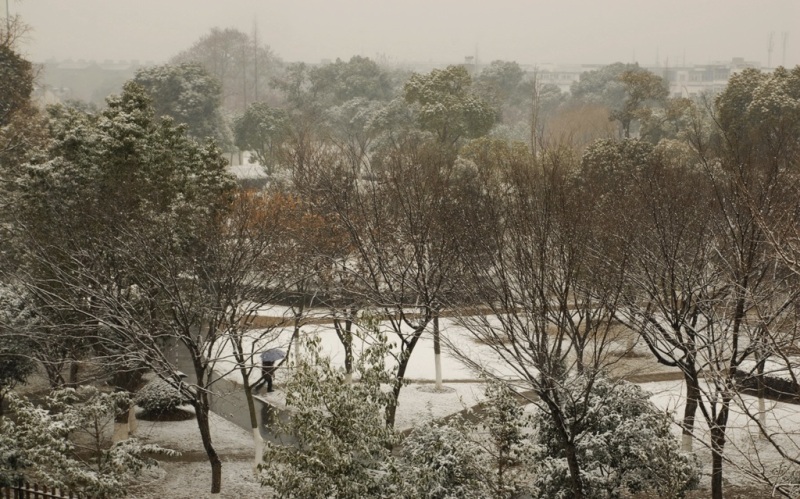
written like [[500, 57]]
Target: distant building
[[561, 75], [692, 81], [684, 81]]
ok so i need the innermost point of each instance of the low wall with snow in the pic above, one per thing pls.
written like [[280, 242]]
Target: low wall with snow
[[774, 387]]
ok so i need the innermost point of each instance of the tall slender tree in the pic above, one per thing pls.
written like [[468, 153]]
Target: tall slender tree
[[117, 221]]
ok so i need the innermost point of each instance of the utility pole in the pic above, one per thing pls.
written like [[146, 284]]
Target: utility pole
[[255, 58], [535, 111], [770, 46], [783, 53], [244, 78]]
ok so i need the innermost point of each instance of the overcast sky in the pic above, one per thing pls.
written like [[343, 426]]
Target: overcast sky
[[529, 32]]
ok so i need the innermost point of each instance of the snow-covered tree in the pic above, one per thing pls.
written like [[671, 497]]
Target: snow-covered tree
[[625, 88], [485, 455], [188, 94], [402, 272], [21, 126], [17, 75], [119, 220], [447, 106], [623, 444], [262, 129], [16, 361], [535, 268], [506, 441], [39, 444], [341, 444], [441, 461], [748, 151]]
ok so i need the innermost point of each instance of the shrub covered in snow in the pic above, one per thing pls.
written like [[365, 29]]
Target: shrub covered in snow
[[342, 444], [623, 441], [440, 461], [506, 428], [36, 444], [159, 397], [16, 318]]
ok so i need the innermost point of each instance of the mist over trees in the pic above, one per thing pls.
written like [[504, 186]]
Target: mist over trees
[[557, 229], [240, 63]]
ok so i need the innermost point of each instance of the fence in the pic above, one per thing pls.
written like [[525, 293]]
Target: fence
[[29, 491]]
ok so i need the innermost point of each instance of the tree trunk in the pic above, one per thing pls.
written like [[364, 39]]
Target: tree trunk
[[391, 409], [718, 429], [348, 359], [347, 342], [125, 424], [579, 364], [258, 441], [631, 343], [574, 469], [122, 424], [127, 380], [345, 335], [535, 107], [689, 412], [53, 371], [437, 349], [133, 423], [717, 447], [405, 355], [556, 413], [762, 409], [74, 367], [298, 355], [201, 408]]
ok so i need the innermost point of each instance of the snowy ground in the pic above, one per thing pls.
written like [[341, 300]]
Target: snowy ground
[[189, 476], [421, 366], [744, 446]]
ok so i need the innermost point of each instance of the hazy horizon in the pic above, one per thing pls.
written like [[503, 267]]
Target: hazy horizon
[[566, 32]]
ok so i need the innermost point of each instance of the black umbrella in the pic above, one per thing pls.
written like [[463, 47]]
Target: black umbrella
[[273, 355]]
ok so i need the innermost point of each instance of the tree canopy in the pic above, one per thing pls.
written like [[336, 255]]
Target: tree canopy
[[447, 106], [188, 94], [262, 130], [624, 88], [239, 62], [17, 76]]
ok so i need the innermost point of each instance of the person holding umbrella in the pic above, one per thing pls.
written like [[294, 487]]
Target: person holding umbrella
[[268, 367]]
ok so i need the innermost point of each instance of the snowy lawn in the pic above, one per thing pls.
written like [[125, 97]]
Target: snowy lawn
[[189, 476], [421, 366], [744, 447]]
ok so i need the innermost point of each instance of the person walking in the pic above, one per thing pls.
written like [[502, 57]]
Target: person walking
[[267, 373], [268, 368]]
